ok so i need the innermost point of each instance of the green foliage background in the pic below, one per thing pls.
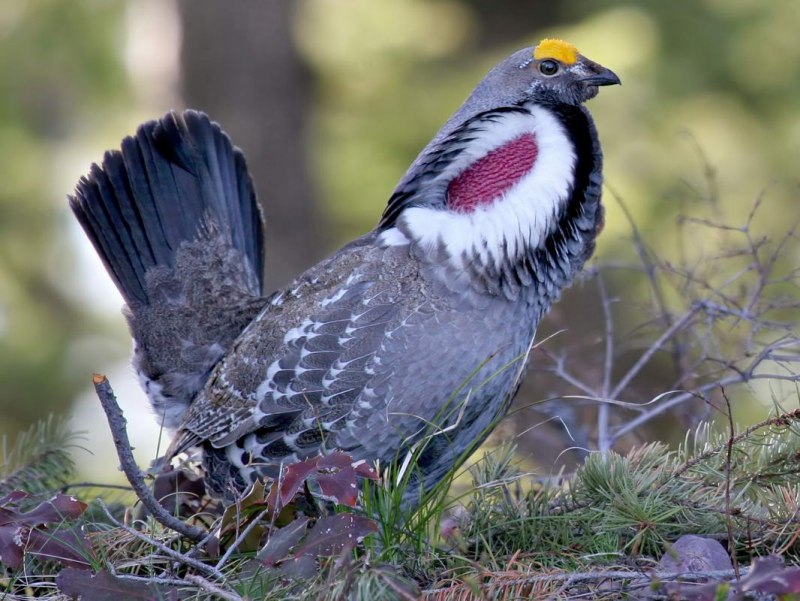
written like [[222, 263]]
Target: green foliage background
[[711, 81], [61, 73]]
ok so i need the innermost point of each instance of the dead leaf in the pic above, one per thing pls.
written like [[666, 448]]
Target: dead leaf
[[24, 532], [281, 542], [104, 586], [333, 533]]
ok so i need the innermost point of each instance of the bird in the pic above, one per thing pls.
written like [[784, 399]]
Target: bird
[[411, 339]]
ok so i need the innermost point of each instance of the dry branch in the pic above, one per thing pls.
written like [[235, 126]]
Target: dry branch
[[118, 426]]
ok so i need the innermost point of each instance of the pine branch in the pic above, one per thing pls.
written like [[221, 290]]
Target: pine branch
[[39, 461], [727, 489]]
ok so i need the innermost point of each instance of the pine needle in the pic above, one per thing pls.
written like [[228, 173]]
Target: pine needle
[[39, 461]]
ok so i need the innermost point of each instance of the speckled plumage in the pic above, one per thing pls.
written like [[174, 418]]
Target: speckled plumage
[[420, 328]]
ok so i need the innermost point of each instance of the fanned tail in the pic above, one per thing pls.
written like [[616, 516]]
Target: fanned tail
[[174, 218]]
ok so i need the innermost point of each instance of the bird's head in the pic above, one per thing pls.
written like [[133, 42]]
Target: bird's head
[[557, 71], [552, 72], [517, 166]]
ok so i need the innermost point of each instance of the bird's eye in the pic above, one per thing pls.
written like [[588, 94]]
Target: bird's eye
[[548, 67]]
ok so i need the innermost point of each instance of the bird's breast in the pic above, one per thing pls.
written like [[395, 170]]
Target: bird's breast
[[488, 178]]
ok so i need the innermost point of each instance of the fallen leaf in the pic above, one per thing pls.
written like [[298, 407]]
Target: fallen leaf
[[333, 533], [104, 586], [281, 541]]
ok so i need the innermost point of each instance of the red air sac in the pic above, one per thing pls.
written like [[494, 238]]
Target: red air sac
[[487, 178]]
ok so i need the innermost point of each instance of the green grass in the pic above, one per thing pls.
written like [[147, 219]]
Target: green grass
[[509, 534]]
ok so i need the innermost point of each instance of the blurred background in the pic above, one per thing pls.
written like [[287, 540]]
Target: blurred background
[[330, 101]]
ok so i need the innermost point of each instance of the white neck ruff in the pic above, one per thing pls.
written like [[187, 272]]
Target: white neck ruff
[[521, 218]]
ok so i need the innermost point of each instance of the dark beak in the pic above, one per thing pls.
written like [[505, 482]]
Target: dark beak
[[602, 77]]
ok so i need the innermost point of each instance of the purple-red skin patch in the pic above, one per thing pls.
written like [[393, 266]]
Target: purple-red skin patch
[[488, 178]]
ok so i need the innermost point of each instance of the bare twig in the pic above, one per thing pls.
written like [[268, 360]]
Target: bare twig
[[117, 424], [632, 579], [603, 439], [650, 269], [147, 579], [724, 317], [177, 555], [779, 420], [737, 377], [188, 580], [559, 370], [656, 346], [728, 459], [212, 588], [240, 539], [72, 485]]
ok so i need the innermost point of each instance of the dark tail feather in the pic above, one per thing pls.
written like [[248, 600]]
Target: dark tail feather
[[164, 187], [173, 215]]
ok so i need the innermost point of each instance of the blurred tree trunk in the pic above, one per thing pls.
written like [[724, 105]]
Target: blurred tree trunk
[[239, 65], [506, 21]]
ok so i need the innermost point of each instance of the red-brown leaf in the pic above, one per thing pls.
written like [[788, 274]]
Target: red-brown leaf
[[104, 586], [333, 533], [12, 542], [59, 508], [281, 541], [294, 476], [66, 546], [340, 487]]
